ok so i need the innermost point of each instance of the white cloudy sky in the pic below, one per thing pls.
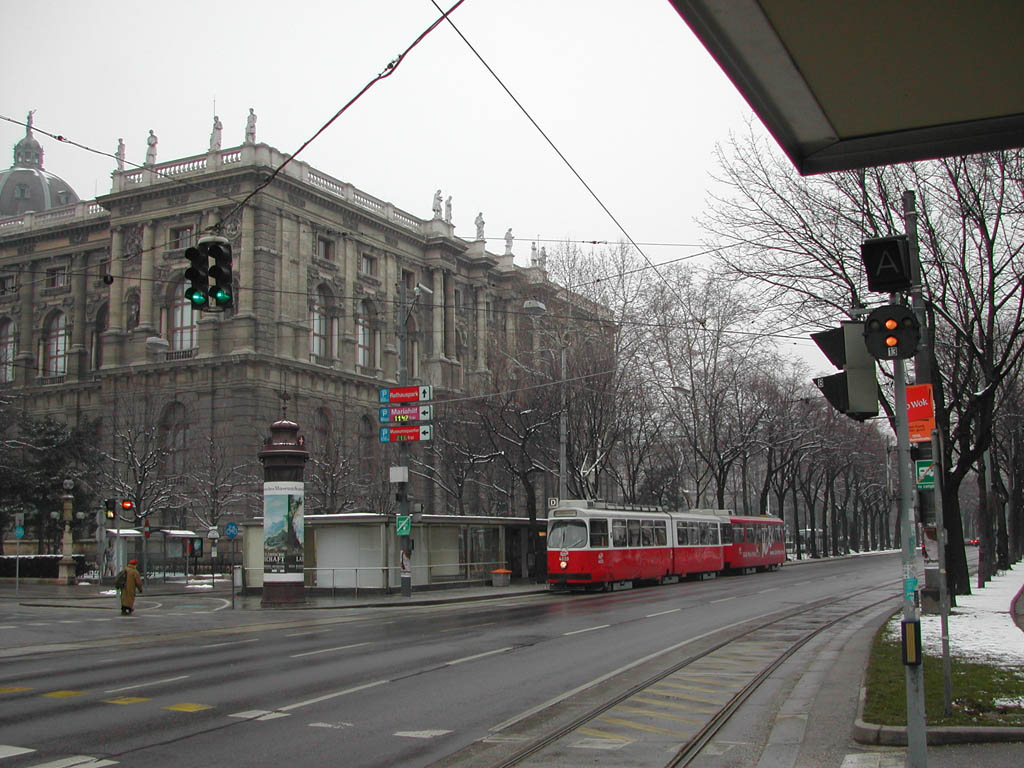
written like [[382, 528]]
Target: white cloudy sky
[[624, 90]]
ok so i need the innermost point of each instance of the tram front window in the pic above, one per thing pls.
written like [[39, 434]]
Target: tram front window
[[567, 534]]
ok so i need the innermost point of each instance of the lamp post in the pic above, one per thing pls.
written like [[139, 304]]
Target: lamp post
[[66, 574], [536, 308]]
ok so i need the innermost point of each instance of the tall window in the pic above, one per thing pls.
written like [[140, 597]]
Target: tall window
[[174, 429], [180, 237], [319, 327], [55, 345], [97, 339], [324, 248], [183, 333], [364, 337], [57, 277], [6, 351], [412, 349]]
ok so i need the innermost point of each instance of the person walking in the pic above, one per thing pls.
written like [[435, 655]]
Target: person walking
[[128, 584]]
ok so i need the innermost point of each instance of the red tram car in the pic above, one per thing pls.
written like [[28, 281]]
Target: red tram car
[[594, 545]]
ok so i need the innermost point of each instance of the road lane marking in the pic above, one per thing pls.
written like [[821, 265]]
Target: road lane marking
[[188, 707], [78, 761], [722, 599], [143, 685], [310, 632], [420, 734], [609, 675], [478, 656], [770, 589], [662, 613], [14, 689], [334, 695], [62, 694], [471, 626], [231, 642], [8, 751], [588, 629], [328, 650], [126, 700], [259, 714]]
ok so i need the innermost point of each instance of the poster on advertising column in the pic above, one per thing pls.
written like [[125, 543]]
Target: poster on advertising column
[[283, 531]]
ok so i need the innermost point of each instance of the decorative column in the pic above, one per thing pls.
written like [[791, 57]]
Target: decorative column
[[116, 313], [481, 328], [284, 458], [66, 567], [146, 324]]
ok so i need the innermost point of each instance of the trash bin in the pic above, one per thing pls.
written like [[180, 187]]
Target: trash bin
[[501, 577], [237, 576]]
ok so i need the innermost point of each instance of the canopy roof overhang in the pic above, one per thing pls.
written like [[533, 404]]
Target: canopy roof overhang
[[856, 83]]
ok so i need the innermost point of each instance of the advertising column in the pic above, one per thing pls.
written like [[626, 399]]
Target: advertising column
[[284, 457]]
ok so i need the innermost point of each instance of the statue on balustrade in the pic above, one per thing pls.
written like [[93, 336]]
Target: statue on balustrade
[[119, 154], [448, 209], [479, 221], [215, 134], [151, 141], [436, 206], [508, 241], [250, 127]]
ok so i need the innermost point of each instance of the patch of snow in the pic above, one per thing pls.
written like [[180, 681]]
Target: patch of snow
[[199, 586], [980, 626]]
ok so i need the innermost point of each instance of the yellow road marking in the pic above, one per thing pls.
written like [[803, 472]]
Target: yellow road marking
[[602, 735], [659, 703], [188, 707], [14, 689], [126, 700], [639, 727], [63, 694], [651, 713]]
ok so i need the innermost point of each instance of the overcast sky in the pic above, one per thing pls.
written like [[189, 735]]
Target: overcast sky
[[623, 89]]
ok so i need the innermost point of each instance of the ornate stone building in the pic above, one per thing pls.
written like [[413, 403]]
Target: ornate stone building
[[94, 319]]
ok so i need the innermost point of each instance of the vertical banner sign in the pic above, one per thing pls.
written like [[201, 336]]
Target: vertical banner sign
[[920, 412], [283, 530]]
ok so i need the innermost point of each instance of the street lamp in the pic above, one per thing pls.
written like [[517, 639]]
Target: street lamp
[[66, 573], [536, 308]]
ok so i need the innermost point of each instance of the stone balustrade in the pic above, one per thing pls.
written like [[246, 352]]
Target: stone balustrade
[[84, 210]]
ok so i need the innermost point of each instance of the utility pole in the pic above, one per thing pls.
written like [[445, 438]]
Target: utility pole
[[405, 552]]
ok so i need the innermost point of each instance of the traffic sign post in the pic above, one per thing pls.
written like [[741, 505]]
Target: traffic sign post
[[406, 434], [231, 531], [403, 525]]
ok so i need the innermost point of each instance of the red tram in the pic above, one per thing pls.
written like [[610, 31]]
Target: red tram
[[594, 545]]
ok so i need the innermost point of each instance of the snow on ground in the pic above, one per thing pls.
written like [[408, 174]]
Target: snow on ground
[[980, 626]]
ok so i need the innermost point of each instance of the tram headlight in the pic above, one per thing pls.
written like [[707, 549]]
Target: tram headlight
[[563, 565]]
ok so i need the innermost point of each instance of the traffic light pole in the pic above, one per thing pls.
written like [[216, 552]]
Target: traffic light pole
[[404, 550], [917, 737]]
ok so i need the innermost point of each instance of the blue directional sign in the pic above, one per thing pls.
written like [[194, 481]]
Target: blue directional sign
[[231, 529], [19, 531]]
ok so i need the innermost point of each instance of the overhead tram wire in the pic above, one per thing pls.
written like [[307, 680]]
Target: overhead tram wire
[[564, 159], [386, 72]]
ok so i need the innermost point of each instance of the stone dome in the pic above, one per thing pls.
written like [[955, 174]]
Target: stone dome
[[25, 186]]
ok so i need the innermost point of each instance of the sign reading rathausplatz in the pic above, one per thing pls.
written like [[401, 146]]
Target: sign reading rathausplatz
[[283, 530]]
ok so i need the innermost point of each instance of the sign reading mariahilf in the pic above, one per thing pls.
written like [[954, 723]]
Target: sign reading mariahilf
[[283, 530]]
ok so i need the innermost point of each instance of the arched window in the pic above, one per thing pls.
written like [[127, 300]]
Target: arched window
[[319, 328], [365, 352], [6, 351], [55, 345], [132, 316], [183, 333], [412, 348], [174, 428], [321, 429], [97, 339], [367, 439]]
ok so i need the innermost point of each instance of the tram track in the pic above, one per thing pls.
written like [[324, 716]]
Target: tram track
[[696, 695]]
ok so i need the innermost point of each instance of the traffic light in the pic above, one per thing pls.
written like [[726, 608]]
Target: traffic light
[[892, 332], [887, 263], [219, 250], [198, 289], [128, 507], [109, 509], [853, 392]]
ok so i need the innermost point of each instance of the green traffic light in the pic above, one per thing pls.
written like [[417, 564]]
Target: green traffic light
[[222, 296], [197, 297]]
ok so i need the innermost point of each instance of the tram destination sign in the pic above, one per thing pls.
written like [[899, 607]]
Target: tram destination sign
[[406, 434], [402, 414], [387, 395]]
